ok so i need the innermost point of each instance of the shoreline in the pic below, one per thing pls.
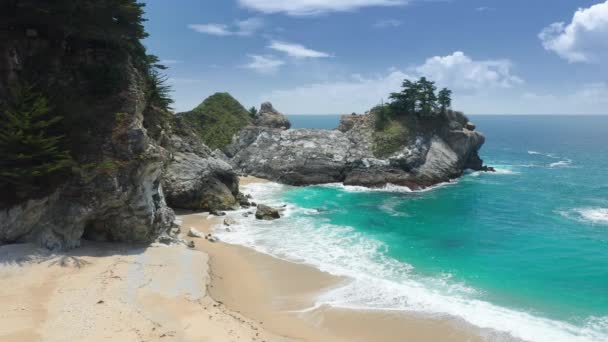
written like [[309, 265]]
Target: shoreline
[[281, 295]]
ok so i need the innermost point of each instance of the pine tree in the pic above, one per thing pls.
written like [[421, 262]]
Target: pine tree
[[427, 97], [444, 99], [159, 92], [30, 152], [253, 112], [405, 101]]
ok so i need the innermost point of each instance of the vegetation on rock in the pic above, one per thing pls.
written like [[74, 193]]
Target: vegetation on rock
[[33, 153], [420, 98], [87, 63], [217, 119], [416, 105]]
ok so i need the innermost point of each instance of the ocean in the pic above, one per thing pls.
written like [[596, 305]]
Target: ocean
[[523, 250]]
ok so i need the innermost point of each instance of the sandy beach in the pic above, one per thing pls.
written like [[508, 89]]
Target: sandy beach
[[215, 292], [117, 292]]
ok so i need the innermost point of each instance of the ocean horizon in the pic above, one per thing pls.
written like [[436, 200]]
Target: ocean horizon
[[522, 250]]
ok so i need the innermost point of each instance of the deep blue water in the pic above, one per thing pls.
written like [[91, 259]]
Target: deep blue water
[[523, 250]]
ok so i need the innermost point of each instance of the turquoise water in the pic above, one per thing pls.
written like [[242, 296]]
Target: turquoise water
[[524, 250]]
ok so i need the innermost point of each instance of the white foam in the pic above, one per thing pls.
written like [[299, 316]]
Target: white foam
[[498, 170], [561, 163], [587, 215], [387, 188], [548, 155], [378, 281]]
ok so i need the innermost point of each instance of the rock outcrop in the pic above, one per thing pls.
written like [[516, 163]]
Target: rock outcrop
[[271, 118], [113, 192], [265, 212], [196, 180], [434, 150]]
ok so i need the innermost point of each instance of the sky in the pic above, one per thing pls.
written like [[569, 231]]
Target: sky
[[343, 56]]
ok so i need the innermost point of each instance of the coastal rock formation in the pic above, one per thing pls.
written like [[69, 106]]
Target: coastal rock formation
[[100, 88], [271, 118], [429, 151], [196, 180], [265, 212]]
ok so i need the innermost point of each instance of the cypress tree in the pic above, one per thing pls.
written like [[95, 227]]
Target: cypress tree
[[31, 152], [444, 98]]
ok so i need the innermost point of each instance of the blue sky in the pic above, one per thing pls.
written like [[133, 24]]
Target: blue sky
[[340, 56]]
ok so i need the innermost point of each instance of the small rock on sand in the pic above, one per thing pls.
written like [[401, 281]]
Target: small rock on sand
[[195, 233]]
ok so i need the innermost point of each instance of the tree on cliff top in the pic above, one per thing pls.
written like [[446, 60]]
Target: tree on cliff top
[[444, 98], [420, 98]]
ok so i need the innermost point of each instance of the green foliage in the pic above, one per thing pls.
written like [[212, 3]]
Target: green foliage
[[159, 92], [444, 99], [217, 119], [420, 98], [426, 97], [31, 152], [253, 112], [382, 115], [388, 140]]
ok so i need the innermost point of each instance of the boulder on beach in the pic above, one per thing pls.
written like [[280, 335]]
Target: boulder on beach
[[195, 233], [265, 212]]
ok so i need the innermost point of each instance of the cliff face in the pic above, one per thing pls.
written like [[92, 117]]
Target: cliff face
[[195, 178], [430, 152], [113, 191]]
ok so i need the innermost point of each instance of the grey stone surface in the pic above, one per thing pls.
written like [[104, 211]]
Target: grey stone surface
[[314, 156]]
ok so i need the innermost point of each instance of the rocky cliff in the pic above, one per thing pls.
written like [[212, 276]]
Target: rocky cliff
[[430, 151], [113, 192], [195, 178]]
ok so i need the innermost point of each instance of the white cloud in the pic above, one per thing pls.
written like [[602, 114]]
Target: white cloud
[[359, 93], [249, 26], [387, 23], [459, 71], [592, 94], [264, 64], [296, 50], [355, 94], [169, 62], [591, 98], [245, 27], [314, 7], [212, 29], [585, 39], [483, 9]]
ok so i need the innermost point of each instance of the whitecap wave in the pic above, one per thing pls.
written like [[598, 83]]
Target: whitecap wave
[[548, 155], [561, 163], [587, 215], [387, 188], [380, 282], [498, 170]]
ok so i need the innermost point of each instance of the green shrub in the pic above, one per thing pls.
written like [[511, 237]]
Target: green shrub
[[390, 139], [217, 119]]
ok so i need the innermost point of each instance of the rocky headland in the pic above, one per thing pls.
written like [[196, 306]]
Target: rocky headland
[[413, 152]]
